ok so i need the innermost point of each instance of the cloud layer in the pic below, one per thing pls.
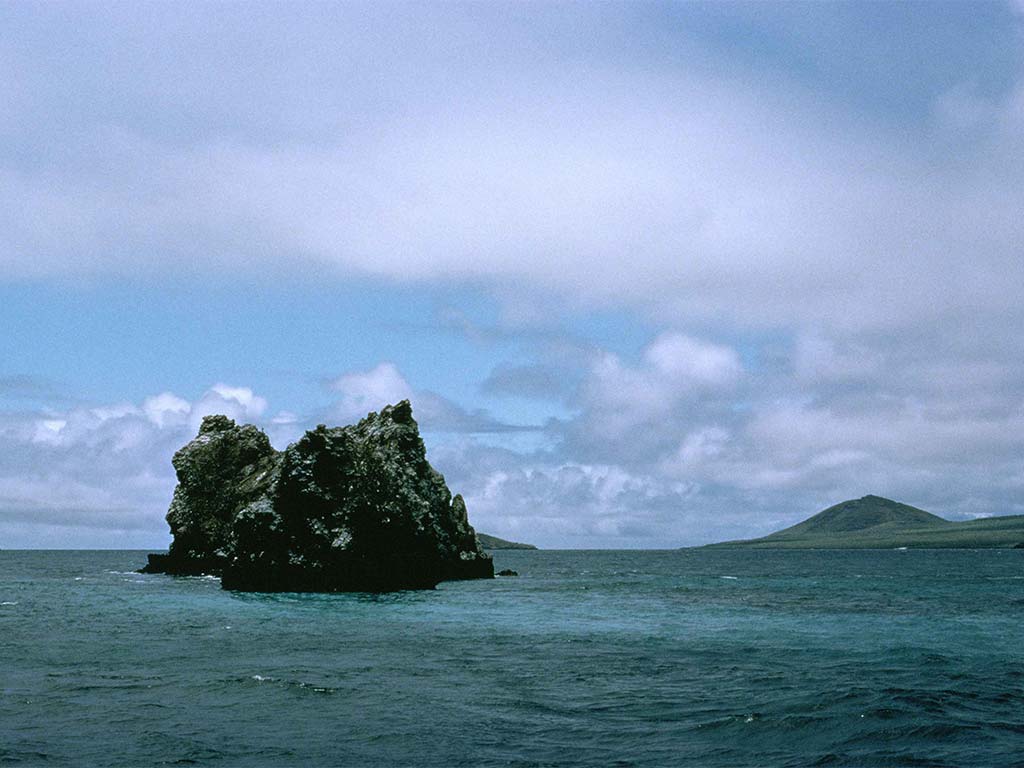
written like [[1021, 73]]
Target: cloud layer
[[812, 216], [686, 192]]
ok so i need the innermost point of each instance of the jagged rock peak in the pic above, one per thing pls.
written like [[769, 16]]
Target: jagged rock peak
[[215, 423]]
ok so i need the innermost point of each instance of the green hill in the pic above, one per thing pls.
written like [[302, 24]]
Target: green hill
[[493, 542], [873, 522]]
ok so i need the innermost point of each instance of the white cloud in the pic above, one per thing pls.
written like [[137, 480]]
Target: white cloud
[[251, 403], [114, 411], [697, 450], [48, 430], [285, 417], [238, 403], [370, 390], [582, 504], [166, 409], [365, 391], [631, 405], [819, 358], [685, 359]]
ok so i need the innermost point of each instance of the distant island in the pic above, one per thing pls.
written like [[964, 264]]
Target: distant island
[[873, 522], [493, 542]]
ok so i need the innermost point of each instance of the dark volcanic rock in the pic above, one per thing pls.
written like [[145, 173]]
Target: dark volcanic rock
[[223, 470], [355, 508]]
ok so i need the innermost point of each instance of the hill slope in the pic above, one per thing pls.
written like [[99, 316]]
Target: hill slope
[[493, 542], [869, 512], [873, 522]]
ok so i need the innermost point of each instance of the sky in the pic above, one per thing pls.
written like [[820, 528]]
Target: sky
[[651, 274]]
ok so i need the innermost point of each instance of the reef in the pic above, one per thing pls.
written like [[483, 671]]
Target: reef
[[354, 508]]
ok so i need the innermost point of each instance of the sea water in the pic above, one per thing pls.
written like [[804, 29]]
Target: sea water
[[675, 658]]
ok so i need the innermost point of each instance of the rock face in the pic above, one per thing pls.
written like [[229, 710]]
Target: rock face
[[355, 508]]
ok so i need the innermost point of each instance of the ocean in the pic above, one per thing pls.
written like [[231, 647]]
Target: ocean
[[587, 658]]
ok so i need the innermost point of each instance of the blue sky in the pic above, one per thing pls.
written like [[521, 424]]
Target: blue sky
[[652, 274]]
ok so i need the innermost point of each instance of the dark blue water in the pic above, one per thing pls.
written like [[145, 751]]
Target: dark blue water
[[587, 659]]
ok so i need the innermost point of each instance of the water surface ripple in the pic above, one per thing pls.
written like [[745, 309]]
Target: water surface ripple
[[688, 658]]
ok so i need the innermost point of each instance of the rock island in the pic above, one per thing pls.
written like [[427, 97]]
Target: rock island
[[355, 508]]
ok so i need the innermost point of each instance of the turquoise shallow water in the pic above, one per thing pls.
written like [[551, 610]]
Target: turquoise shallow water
[[587, 659]]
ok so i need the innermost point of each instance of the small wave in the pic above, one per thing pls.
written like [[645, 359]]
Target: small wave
[[730, 721], [731, 578], [9, 602], [79, 578], [8, 756], [316, 688], [313, 687]]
